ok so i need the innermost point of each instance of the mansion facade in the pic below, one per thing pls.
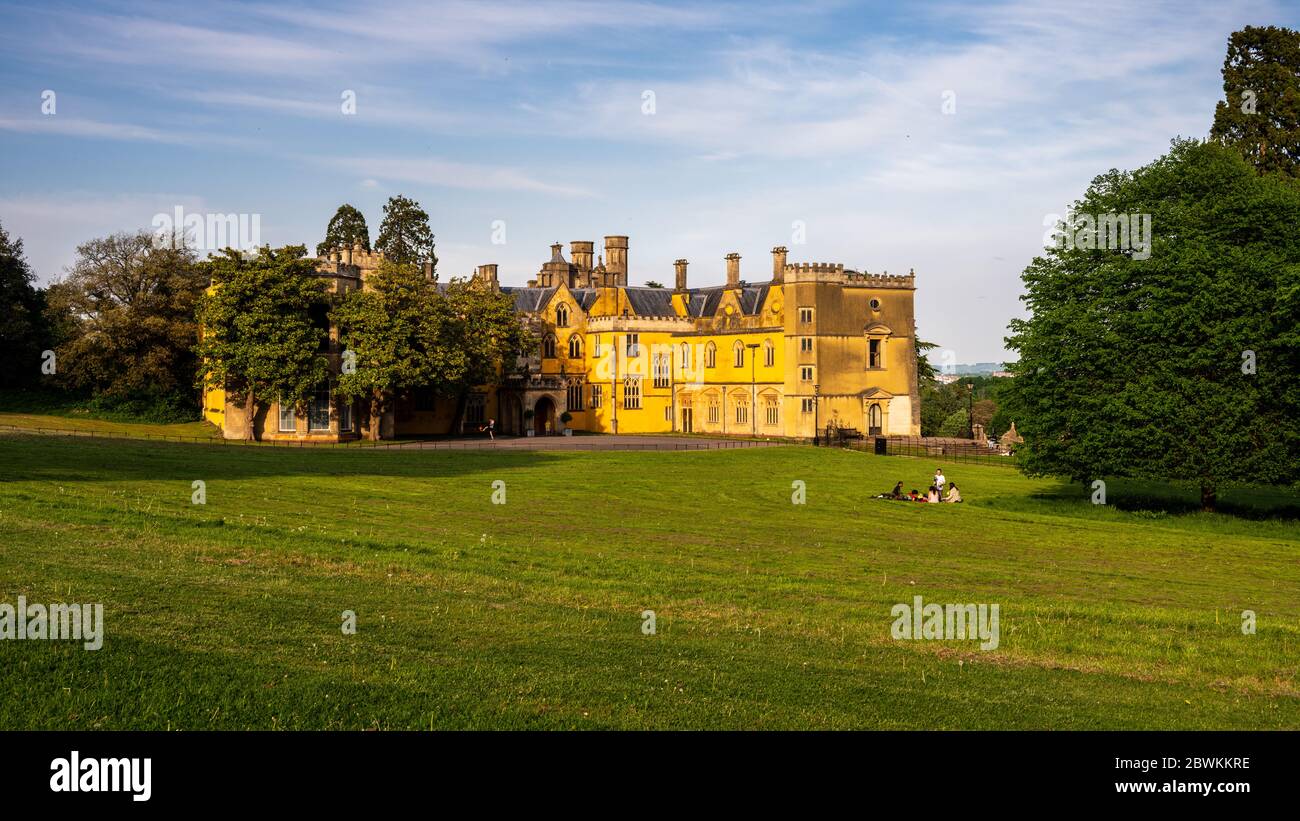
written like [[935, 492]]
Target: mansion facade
[[816, 345]]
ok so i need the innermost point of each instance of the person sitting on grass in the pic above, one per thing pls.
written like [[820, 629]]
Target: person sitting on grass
[[915, 496], [932, 495], [953, 494], [896, 493]]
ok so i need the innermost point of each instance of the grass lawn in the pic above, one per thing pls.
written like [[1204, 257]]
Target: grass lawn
[[527, 614], [189, 430]]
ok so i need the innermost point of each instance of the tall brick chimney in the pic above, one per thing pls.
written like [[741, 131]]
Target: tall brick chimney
[[488, 274], [733, 270], [778, 263], [616, 257], [680, 267], [581, 251]]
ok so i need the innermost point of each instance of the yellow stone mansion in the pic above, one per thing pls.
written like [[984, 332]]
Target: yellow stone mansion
[[813, 345]]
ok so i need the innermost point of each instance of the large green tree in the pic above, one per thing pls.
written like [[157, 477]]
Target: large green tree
[[259, 339], [1180, 365], [346, 228], [128, 306], [391, 333], [1260, 112], [483, 339], [22, 336], [405, 235]]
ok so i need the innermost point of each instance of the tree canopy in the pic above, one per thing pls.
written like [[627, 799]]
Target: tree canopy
[[21, 321], [127, 305], [390, 333], [405, 235], [259, 339], [1260, 112], [1180, 365], [346, 228]]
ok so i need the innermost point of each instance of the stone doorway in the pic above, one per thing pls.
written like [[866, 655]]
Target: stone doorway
[[544, 416]]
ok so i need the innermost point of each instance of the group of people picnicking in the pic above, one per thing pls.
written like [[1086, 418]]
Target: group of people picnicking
[[935, 493]]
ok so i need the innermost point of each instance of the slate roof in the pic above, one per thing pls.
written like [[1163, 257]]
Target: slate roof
[[529, 300], [650, 301], [646, 301]]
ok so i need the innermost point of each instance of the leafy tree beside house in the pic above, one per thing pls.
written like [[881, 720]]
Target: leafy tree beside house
[[483, 339], [259, 341], [346, 228], [392, 331], [1179, 365]]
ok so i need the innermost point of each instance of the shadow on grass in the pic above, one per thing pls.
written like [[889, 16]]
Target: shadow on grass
[[57, 459], [1152, 500]]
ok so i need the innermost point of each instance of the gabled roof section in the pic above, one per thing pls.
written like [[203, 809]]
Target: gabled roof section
[[752, 298], [705, 301], [585, 297]]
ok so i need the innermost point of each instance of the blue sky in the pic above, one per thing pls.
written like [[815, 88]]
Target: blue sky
[[826, 114]]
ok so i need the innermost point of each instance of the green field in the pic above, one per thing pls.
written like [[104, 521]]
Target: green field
[[528, 614]]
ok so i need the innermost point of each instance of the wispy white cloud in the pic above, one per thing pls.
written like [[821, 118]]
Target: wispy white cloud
[[65, 126], [446, 173]]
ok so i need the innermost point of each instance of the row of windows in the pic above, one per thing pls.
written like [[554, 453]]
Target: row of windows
[[562, 315], [321, 406], [633, 350], [318, 414]]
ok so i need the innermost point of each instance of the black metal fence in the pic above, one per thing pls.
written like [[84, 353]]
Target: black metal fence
[[953, 450]]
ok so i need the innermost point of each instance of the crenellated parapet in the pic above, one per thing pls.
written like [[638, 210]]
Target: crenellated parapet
[[606, 324], [869, 280], [814, 272]]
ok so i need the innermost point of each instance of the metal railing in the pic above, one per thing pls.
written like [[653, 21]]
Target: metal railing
[[967, 451]]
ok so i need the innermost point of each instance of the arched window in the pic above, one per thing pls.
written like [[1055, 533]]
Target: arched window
[[773, 411], [548, 346], [769, 353], [562, 316], [710, 355], [575, 347], [742, 409], [739, 350], [686, 356]]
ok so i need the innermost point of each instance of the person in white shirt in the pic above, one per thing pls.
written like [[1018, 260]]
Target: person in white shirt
[[939, 480]]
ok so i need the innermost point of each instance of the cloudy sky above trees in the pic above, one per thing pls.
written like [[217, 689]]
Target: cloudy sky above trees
[[825, 114]]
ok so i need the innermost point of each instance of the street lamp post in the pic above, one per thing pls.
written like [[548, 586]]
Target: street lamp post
[[753, 389], [817, 408], [970, 410]]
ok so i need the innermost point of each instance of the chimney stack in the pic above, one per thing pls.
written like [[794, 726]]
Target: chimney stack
[[680, 267], [616, 258], [778, 263], [733, 270], [582, 251], [487, 274]]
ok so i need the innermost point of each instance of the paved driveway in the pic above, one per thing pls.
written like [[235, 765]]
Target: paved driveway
[[599, 442]]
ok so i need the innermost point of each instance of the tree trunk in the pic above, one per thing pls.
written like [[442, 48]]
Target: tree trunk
[[376, 415], [250, 415], [458, 419], [1208, 496]]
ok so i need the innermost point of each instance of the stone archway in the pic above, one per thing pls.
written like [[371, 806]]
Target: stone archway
[[544, 416]]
